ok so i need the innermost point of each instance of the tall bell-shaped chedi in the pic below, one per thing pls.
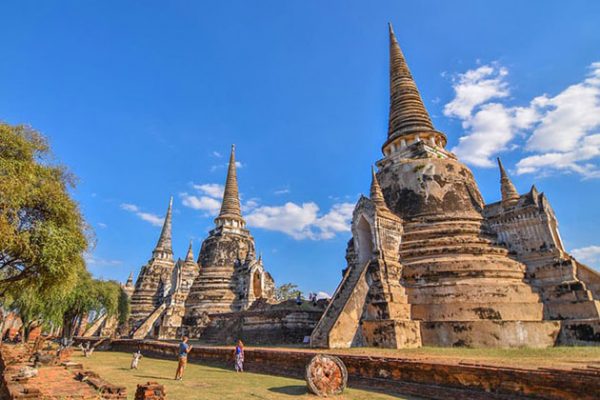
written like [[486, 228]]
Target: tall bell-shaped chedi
[[154, 280], [231, 278], [434, 276]]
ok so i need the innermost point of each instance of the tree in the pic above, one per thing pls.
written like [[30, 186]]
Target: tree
[[287, 291], [42, 233], [89, 295]]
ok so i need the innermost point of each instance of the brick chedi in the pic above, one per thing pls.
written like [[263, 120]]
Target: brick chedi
[[184, 274], [154, 281], [231, 278], [424, 265], [527, 226]]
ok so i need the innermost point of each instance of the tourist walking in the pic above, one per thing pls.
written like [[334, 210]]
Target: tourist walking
[[239, 356], [184, 349], [136, 359]]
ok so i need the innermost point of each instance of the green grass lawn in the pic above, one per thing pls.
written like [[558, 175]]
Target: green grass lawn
[[567, 357], [203, 382]]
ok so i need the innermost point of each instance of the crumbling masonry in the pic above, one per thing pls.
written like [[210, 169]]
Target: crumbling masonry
[[430, 264]]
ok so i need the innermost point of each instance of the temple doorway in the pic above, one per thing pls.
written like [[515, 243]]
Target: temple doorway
[[256, 285]]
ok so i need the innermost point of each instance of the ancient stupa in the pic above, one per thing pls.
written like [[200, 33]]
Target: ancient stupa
[[154, 280], [231, 276], [425, 265]]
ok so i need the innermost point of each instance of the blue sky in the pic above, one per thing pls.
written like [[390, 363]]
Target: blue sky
[[142, 101]]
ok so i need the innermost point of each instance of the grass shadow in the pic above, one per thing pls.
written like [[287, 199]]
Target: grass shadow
[[293, 390], [155, 377]]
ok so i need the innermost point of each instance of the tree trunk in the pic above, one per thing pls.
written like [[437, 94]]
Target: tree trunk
[[3, 316], [69, 325]]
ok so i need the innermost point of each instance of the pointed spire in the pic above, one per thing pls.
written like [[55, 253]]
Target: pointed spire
[[164, 244], [130, 279], [509, 193], [407, 111], [376, 193], [190, 253], [408, 114], [230, 207]]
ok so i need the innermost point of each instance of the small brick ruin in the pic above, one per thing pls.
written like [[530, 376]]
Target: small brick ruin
[[150, 391], [34, 372]]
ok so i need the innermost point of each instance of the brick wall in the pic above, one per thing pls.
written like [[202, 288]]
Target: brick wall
[[436, 380]]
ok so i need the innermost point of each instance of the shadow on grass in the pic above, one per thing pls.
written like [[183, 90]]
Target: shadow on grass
[[155, 377], [294, 390]]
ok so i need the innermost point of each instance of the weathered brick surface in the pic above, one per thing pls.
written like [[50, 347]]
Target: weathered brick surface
[[52, 381], [436, 380], [150, 391]]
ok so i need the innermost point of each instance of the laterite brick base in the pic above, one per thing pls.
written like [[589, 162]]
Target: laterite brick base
[[430, 379]]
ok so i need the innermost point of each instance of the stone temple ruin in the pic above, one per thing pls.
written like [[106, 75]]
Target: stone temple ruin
[[430, 264], [224, 295]]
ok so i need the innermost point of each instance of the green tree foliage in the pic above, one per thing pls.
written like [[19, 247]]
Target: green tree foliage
[[89, 295], [42, 233], [287, 291]]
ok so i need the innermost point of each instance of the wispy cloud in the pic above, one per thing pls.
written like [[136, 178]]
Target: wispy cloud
[[211, 189], [217, 154], [588, 255], [559, 133], [280, 192], [145, 216], [101, 262], [209, 205], [216, 167], [102, 225], [302, 221]]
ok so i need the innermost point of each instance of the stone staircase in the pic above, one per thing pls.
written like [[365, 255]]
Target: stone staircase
[[144, 330], [92, 330], [339, 324]]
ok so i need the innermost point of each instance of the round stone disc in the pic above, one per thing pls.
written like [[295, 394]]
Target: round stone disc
[[326, 375]]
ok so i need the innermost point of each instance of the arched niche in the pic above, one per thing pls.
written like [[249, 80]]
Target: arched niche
[[257, 284], [365, 240]]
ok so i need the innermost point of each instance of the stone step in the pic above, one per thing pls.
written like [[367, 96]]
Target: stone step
[[473, 249], [445, 240], [493, 292], [410, 235], [529, 311]]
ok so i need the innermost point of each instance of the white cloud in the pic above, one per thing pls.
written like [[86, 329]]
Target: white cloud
[[102, 225], [210, 205], [569, 116], [303, 221], [475, 87], [148, 217], [298, 221], [211, 189], [588, 255], [217, 154], [490, 125], [570, 161], [250, 205], [281, 191], [560, 132], [101, 262]]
